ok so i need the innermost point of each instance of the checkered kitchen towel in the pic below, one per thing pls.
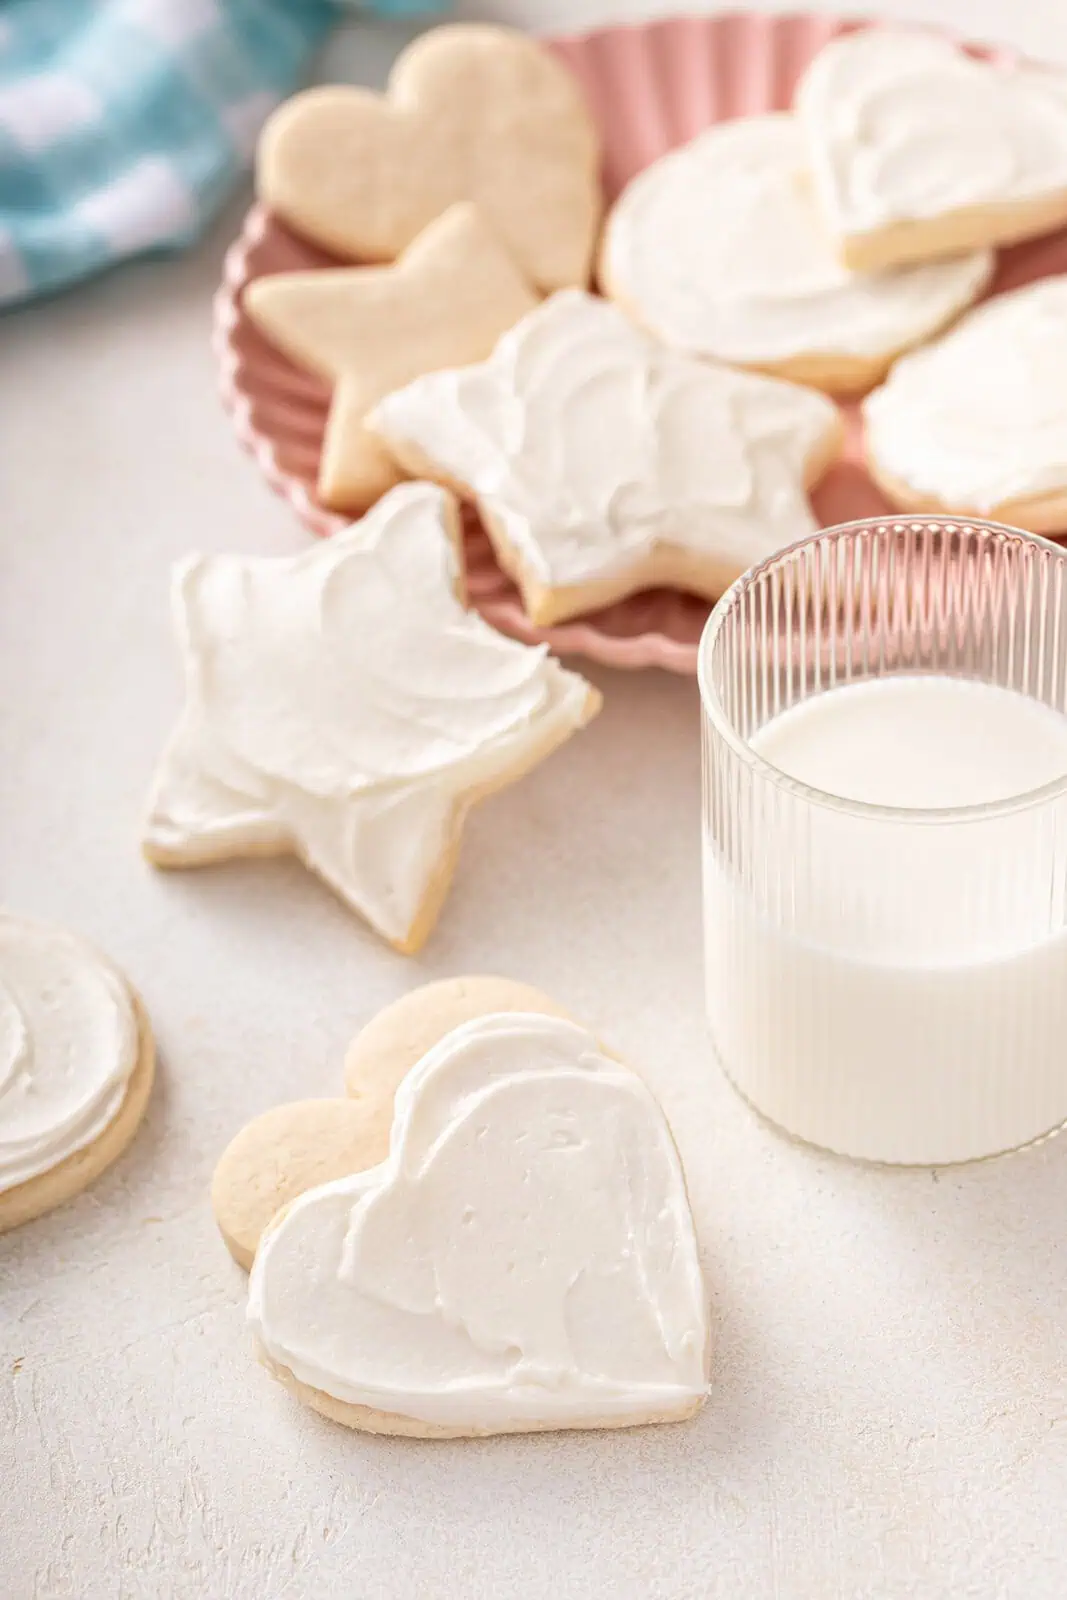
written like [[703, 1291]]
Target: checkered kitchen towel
[[123, 123]]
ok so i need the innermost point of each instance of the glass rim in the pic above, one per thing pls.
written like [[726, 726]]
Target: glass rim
[[1025, 800]]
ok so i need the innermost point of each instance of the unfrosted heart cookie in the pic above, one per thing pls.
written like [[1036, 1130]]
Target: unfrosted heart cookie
[[719, 249], [515, 1254], [603, 463], [76, 1067], [471, 113], [367, 330], [918, 150], [977, 422], [343, 706]]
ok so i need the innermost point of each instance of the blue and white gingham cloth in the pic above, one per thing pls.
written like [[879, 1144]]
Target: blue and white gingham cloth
[[123, 123]]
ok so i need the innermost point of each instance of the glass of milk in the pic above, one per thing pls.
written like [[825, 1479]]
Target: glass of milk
[[885, 838]]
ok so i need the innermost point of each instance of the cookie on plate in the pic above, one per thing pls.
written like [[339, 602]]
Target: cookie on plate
[[475, 1256], [77, 1060], [977, 422], [343, 706], [602, 462], [918, 150], [471, 113], [367, 330], [719, 248]]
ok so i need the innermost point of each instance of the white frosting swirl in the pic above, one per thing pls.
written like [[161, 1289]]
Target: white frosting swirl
[[589, 444], [904, 126], [718, 247], [980, 418], [68, 1044], [340, 702], [524, 1257]]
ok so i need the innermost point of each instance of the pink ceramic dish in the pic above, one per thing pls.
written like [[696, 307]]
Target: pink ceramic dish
[[650, 88]]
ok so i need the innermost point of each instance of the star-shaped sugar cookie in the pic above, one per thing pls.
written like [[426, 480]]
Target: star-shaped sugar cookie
[[368, 330], [343, 706], [603, 463]]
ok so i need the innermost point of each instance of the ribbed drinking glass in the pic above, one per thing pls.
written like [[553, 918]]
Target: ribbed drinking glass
[[886, 981]]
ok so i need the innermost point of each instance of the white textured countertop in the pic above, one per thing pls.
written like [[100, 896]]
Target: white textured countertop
[[889, 1414]]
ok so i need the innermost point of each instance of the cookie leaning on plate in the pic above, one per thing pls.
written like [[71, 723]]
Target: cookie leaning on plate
[[472, 113], [918, 150], [343, 706], [603, 463], [77, 1061], [976, 423], [483, 1262], [367, 330], [718, 248]]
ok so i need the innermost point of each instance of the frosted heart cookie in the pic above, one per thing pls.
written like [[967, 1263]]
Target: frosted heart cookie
[[369, 329], [343, 706], [76, 1067], [977, 422], [719, 249], [918, 150], [471, 113], [603, 463], [516, 1254]]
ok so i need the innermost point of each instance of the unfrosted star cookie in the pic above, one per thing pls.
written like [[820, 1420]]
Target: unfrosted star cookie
[[343, 706], [719, 249], [471, 113], [918, 150], [977, 422], [369, 329], [603, 463], [76, 1067], [491, 1235]]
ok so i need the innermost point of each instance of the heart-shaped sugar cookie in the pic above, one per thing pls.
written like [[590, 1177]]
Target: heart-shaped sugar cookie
[[919, 150], [522, 1256], [471, 113]]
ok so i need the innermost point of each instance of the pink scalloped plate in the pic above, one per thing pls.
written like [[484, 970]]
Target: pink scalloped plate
[[650, 88]]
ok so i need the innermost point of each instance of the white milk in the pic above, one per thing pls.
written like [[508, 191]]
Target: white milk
[[871, 986]]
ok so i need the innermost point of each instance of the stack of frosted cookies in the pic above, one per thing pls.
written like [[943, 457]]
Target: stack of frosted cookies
[[844, 244]]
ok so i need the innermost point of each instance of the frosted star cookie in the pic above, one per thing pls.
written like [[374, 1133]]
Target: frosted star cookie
[[918, 150], [719, 249], [342, 706], [977, 422], [471, 113], [369, 329], [603, 463], [504, 1246], [76, 1067]]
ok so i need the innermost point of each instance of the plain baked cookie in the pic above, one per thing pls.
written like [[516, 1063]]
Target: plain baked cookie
[[977, 422], [918, 150], [368, 330], [719, 249], [602, 462], [76, 1066], [343, 706], [471, 113], [503, 1242]]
